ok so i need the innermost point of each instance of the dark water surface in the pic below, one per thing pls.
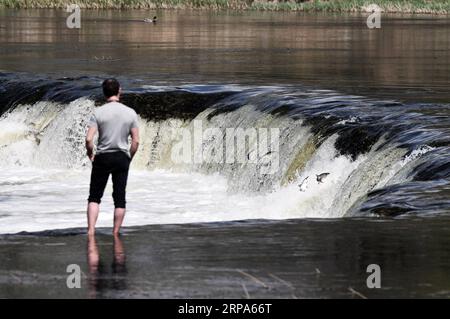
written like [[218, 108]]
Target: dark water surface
[[408, 58], [285, 259]]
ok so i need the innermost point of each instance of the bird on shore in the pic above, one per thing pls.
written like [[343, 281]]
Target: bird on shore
[[151, 20]]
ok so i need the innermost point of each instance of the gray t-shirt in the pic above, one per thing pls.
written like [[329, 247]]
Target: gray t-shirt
[[114, 122]]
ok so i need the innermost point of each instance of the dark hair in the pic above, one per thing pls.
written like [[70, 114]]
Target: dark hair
[[110, 87]]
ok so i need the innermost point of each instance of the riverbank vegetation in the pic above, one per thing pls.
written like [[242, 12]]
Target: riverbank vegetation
[[397, 6]]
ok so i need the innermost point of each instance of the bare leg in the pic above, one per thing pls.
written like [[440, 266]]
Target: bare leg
[[92, 215], [119, 214]]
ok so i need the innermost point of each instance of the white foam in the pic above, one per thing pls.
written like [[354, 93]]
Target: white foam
[[400, 169], [34, 200], [44, 175]]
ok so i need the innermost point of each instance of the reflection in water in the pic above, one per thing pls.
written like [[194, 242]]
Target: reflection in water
[[100, 280], [93, 264], [408, 54]]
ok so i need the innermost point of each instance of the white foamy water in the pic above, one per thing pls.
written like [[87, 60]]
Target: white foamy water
[[44, 174], [33, 199]]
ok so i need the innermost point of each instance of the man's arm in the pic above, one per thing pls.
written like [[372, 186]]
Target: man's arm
[[90, 142], [134, 141]]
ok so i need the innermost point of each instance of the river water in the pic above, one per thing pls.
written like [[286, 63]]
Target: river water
[[408, 56], [369, 107]]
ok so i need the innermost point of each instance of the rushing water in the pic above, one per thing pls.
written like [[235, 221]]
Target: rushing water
[[384, 156], [321, 93]]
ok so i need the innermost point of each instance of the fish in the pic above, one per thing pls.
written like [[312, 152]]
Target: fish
[[321, 177], [304, 184]]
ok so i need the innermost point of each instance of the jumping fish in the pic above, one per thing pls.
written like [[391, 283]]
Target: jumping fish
[[321, 177], [303, 185]]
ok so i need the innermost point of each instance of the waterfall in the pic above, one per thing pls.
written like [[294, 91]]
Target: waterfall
[[264, 142]]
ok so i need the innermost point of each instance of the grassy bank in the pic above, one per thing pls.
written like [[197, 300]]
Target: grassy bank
[[398, 6]]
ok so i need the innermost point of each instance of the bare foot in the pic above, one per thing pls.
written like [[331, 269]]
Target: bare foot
[[91, 233]]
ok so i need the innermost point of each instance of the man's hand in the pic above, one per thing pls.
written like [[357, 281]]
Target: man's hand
[[90, 142], [91, 156], [134, 141]]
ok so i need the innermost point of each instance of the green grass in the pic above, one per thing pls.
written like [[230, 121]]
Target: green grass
[[401, 6]]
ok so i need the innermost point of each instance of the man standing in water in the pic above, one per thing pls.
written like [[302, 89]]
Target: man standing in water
[[114, 122]]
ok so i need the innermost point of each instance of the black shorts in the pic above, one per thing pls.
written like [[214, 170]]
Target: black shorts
[[116, 164]]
